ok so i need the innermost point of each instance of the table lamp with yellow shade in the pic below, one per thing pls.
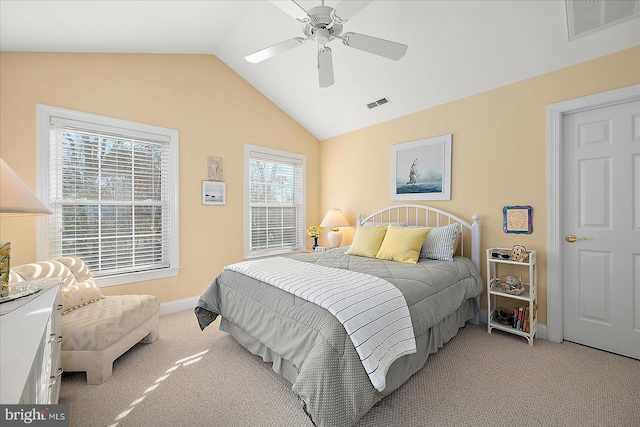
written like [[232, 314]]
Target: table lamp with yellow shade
[[16, 199]]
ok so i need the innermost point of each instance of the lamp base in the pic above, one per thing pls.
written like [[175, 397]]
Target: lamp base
[[335, 238]]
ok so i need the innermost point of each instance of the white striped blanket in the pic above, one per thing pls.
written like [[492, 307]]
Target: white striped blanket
[[373, 311]]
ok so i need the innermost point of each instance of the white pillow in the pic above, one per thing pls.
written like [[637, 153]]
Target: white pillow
[[440, 243], [80, 294]]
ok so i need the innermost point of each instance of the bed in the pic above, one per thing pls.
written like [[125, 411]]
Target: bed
[[313, 350]]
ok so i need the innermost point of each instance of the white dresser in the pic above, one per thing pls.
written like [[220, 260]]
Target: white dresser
[[30, 345]]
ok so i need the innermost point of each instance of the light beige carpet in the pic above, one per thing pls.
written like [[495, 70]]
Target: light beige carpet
[[193, 378]]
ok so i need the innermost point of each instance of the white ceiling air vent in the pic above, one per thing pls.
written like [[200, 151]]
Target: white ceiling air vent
[[587, 16], [378, 103]]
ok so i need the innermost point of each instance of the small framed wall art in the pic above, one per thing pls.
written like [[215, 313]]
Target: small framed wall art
[[517, 219], [214, 168], [214, 193]]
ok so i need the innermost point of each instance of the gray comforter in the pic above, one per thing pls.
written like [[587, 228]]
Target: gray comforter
[[309, 346]]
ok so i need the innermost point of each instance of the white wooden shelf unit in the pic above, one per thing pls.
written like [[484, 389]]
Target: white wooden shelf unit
[[528, 297]]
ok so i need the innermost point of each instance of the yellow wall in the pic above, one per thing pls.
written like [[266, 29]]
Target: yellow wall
[[499, 153], [215, 111]]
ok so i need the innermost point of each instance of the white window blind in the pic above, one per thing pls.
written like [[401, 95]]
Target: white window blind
[[275, 200], [113, 198]]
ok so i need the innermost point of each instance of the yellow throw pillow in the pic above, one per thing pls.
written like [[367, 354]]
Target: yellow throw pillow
[[402, 244], [83, 293], [367, 241]]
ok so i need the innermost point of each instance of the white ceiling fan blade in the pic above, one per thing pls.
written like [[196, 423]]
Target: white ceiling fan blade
[[347, 9], [325, 67], [267, 53], [292, 9], [386, 48]]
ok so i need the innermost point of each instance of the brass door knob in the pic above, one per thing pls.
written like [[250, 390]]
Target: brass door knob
[[572, 239]]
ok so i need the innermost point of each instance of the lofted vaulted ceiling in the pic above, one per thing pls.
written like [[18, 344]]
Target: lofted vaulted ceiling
[[455, 48]]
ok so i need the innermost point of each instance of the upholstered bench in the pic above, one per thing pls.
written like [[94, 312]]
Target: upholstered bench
[[96, 329]]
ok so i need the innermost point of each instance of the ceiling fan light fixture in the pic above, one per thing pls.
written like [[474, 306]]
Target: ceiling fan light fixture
[[323, 36], [323, 24]]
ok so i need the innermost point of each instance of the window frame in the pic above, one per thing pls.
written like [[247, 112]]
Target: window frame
[[44, 113], [284, 155]]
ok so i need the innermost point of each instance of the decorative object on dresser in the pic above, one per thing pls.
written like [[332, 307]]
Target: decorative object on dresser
[[421, 170], [96, 329], [512, 290], [334, 219], [5, 268], [16, 199]]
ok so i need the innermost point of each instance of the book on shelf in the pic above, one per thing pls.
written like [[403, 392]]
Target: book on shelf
[[522, 318]]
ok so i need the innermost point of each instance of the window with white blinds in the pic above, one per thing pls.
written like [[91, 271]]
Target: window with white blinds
[[274, 201], [112, 187]]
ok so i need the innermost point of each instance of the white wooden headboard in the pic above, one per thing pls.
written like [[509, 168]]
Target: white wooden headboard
[[426, 216]]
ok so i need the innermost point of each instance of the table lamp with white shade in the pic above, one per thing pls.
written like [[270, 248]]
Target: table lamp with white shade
[[334, 219], [16, 199]]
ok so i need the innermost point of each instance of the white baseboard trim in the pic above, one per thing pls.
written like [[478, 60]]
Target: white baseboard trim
[[178, 305], [483, 316], [542, 329], [542, 332]]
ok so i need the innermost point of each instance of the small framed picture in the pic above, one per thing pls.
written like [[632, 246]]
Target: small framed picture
[[214, 168], [517, 219], [214, 193]]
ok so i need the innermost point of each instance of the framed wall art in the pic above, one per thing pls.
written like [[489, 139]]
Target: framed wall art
[[214, 193], [214, 168], [517, 219], [421, 170]]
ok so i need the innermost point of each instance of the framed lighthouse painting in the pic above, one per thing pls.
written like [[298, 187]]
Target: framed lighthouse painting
[[421, 170]]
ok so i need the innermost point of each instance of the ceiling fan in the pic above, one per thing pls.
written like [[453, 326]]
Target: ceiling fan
[[324, 24]]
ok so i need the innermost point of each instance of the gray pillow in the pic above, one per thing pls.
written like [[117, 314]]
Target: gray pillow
[[440, 243]]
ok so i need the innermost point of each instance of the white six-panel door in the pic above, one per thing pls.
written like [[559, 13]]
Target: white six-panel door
[[601, 208]]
